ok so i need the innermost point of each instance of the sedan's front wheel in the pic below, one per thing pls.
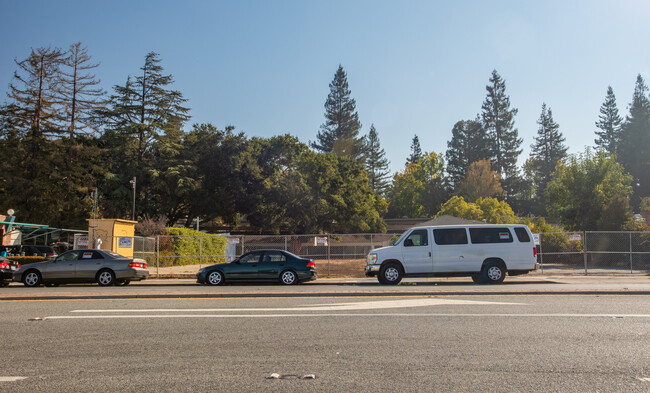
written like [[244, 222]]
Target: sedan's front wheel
[[215, 278], [32, 279]]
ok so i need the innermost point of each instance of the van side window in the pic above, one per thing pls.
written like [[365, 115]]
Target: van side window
[[522, 235], [490, 235], [450, 236], [417, 238]]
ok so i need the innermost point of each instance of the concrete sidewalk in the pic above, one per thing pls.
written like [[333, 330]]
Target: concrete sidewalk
[[341, 287]]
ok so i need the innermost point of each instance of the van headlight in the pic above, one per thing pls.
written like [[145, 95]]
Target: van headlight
[[372, 259]]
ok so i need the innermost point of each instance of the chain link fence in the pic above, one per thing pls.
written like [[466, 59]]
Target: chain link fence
[[344, 255]]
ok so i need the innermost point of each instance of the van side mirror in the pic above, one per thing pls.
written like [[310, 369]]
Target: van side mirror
[[408, 243]]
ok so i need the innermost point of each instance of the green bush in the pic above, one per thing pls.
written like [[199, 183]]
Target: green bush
[[187, 246]]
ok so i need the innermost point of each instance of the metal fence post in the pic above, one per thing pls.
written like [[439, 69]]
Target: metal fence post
[[200, 251], [158, 255], [584, 251], [328, 255], [631, 267], [285, 243], [541, 254], [242, 245]]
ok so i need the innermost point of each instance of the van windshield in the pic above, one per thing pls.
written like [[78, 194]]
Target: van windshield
[[399, 239]]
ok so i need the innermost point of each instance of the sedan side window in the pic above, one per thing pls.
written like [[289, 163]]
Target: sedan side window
[[274, 257], [250, 258], [69, 256]]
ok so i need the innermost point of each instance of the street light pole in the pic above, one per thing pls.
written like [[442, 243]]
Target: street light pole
[[133, 211]]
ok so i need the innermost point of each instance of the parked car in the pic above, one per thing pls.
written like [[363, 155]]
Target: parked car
[[483, 252], [7, 269], [100, 266], [260, 265], [29, 250]]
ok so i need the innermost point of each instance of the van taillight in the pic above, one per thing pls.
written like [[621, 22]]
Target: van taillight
[[534, 251], [138, 264], [311, 264]]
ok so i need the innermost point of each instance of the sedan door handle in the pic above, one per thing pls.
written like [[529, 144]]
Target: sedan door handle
[[282, 264]]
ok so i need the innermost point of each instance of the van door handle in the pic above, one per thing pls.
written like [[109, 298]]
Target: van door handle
[[462, 257], [429, 253]]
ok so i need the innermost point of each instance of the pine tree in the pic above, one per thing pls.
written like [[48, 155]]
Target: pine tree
[[498, 120], [468, 144], [35, 97], [340, 132], [376, 163], [416, 151], [609, 123], [634, 147], [144, 119], [547, 150], [80, 92]]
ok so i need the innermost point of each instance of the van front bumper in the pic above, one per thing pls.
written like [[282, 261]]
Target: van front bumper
[[372, 270]]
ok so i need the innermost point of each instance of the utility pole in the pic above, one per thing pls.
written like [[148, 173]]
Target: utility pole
[[133, 211]]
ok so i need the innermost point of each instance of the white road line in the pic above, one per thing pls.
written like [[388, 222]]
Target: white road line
[[369, 305], [11, 379], [329, 315]]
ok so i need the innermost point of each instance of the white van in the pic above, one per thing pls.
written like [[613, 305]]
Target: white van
[[484, 252]]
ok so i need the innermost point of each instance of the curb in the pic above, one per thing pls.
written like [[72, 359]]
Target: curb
[[336, 294]]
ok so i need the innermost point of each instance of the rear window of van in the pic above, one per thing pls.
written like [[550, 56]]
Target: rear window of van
[[490, 235], [522, 235]]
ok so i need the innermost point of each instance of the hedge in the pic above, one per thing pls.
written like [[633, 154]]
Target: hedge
[[185, 246]]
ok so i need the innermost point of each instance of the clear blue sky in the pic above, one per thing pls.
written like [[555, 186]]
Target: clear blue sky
[[414, 67]]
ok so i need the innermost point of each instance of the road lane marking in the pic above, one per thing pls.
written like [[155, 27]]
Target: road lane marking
[[367, 305], [321, 315], [11, 379]]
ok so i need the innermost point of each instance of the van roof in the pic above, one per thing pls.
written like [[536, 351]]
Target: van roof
[[472, 226]]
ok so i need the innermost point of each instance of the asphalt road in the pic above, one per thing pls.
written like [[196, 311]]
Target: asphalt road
[[409, 343]]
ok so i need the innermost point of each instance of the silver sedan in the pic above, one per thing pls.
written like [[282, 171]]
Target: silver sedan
[[100, 266]]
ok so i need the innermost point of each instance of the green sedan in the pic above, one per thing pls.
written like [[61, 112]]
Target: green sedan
[[260, 265]]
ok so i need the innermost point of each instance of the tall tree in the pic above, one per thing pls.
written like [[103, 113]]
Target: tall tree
[[340, 132], [499, 123], [35, 96], [546, 152], [144, 117], [469, 143], [376, 163], [634, 148], [416, 151], [609, 123]]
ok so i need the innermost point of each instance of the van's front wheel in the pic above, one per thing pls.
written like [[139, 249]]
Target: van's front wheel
[[390, 273]]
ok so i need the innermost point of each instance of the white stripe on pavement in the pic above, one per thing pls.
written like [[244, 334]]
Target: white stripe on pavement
[[11, 379], [152, 316], [369, 305]]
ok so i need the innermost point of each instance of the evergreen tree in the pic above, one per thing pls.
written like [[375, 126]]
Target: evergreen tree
[[376, 163], [546, 152], [468, 144], [416, 151], [35, 97], [498, 120], [609, 123], [340, 132], [144, 120], [634, 148]]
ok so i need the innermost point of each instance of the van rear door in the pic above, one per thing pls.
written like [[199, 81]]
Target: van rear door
[[416, 252]]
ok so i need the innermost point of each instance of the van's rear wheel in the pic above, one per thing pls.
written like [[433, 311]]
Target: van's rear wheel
[[493, 273], [391, 274]]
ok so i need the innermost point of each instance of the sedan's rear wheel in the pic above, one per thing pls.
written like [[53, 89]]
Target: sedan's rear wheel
[[288, 277], [215, 278], [32, 278], [105, 278]]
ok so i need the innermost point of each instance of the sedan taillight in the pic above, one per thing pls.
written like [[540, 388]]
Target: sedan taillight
[[138, 264], [311, 264], [4, 265]]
